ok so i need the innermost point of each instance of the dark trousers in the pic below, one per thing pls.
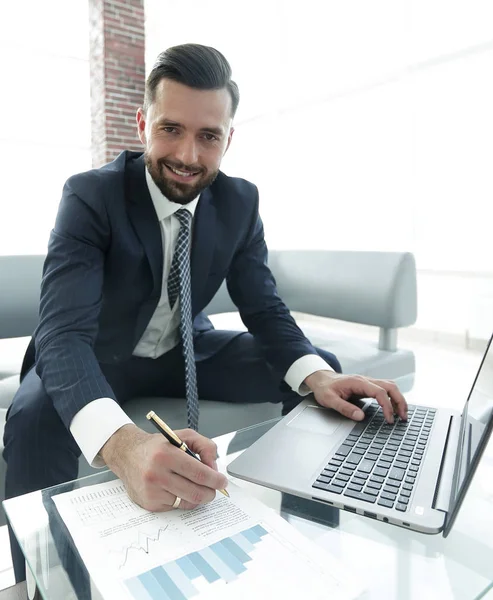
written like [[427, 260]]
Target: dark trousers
[[41, 452]]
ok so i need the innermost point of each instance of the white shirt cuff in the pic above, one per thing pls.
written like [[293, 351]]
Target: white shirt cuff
[[301, 368], [93, 426]]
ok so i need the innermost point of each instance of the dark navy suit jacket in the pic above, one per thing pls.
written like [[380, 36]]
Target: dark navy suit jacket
[[103, 273]]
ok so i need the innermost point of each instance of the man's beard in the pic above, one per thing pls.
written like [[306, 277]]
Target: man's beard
[[181, 193]]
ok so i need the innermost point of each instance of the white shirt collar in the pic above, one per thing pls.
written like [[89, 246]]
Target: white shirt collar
[[165, 208]]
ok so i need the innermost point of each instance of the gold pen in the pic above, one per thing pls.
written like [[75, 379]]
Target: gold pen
[[172, 438]]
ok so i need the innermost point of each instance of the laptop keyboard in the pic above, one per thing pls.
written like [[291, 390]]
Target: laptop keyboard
[[378, 462]]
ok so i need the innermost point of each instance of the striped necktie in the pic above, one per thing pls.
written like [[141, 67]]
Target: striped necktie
[[179, 286]]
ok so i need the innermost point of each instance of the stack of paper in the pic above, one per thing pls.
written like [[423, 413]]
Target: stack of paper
[[231, 548]]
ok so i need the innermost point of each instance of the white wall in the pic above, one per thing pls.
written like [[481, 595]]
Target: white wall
[[45, 110], [366, 125]]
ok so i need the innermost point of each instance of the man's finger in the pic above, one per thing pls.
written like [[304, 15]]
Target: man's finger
[[195, 470], [368, 389], [167, 500], [332, 400], [398, 401], [204, 447], [162, 501], [189, 491]]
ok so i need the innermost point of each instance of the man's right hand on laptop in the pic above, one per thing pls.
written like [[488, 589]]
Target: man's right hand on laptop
[[333, 390], [155, 473]]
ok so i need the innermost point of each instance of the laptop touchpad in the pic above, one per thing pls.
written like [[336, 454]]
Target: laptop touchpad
[[316, 419]]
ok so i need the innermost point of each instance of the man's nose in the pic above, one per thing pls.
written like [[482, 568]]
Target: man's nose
[[186, 151]]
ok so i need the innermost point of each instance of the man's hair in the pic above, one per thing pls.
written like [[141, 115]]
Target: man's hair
[[199, 67]]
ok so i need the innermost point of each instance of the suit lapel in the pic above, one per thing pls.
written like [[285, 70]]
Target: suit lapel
[[144, 219], [204, 235]]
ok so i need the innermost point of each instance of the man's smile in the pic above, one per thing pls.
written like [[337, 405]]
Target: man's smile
[[181, 176]]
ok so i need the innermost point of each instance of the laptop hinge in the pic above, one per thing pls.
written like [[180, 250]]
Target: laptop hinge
[[443, 491]]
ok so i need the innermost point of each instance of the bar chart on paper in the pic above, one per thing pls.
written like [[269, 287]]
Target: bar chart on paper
[[234, 567], [229, 548]]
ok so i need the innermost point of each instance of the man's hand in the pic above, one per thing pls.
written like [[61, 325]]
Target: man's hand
[[333, 391], [155, 472]]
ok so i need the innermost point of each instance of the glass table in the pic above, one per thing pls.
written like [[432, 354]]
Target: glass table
[[392, 562]]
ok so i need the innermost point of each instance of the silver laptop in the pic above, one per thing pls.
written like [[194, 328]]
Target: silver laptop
[[414, 474]]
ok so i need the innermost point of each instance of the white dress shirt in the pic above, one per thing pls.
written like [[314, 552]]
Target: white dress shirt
[[96, 422]]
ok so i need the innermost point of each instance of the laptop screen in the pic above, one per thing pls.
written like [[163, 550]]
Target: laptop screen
[[476, 426]]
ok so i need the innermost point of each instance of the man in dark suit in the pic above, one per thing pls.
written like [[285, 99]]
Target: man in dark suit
[[139, 248]]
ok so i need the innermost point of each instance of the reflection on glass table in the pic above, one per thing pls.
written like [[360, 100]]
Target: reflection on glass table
[[392, 562]]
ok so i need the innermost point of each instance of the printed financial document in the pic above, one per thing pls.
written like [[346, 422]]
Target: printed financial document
[[230, 548]]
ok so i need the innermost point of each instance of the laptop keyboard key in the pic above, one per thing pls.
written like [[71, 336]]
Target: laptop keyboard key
[[354, 458], [403, 499], [377, 478], [333, 488], [388, 496], [358, 429], [391, 483], [338, 483], [345, 471], [344, 450], [397, 474], [366, 466], [359, 450], [401, 507], [358, 481], [360, 496], [320, 486], [385, 502], [355, 487], [380, 471], [400, 465], [389, 452]]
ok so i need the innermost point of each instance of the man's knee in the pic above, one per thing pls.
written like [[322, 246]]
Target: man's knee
[[39, 450], [31, 409]]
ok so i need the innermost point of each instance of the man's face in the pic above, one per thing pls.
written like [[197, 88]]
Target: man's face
[[185, 133]]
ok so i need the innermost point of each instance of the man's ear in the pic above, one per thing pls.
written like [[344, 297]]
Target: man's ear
[[230, 137], [141, 125]]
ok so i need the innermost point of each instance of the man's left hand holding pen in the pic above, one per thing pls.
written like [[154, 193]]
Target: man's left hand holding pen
[[159, 476]]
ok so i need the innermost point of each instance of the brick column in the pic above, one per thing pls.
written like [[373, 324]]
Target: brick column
[[117, 74]]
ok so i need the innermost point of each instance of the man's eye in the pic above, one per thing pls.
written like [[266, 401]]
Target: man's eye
[[169, 129], [210, 137]]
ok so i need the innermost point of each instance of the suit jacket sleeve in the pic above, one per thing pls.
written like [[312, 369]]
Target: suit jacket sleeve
[[71, 294], [252, 288]]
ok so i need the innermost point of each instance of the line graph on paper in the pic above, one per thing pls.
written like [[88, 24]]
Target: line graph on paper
[[132, 537], [143, 544], [94, 508]]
